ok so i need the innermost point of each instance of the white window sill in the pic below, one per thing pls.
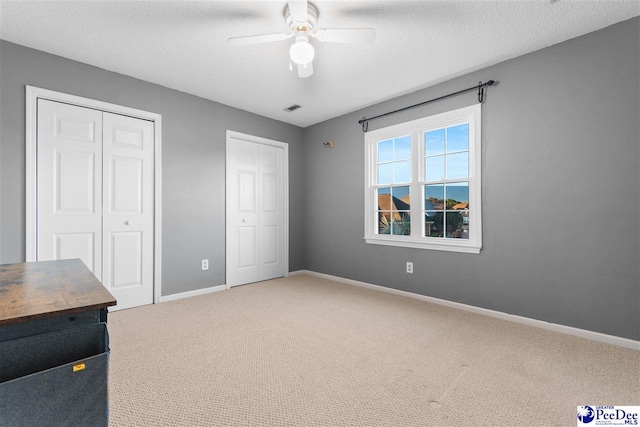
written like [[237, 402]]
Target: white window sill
[[422, 244]]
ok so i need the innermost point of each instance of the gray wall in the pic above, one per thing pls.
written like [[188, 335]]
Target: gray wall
[[561, 175], [193, 150]]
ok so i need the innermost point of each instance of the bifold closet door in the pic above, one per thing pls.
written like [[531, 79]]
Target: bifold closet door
[[95, 196], [127, 232], [255, 212], [69, 184]]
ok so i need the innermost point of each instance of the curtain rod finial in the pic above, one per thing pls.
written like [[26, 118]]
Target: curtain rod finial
[[365, 124]]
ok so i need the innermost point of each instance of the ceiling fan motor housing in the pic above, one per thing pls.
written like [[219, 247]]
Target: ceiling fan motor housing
[[302, 27]]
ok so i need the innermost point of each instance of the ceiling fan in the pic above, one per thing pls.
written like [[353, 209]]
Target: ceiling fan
[[301, 18]]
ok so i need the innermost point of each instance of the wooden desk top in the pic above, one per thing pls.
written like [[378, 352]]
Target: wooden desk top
[[36, 290]]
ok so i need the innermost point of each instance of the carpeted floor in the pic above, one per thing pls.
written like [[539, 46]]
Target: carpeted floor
[[304, 351]]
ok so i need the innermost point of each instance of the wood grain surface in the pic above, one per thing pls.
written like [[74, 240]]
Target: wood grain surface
[[37, 290]]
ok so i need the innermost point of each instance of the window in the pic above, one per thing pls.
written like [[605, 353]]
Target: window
[[423, 183]]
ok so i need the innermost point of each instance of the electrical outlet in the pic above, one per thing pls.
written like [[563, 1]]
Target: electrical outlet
[[205, 264], [410, 267]]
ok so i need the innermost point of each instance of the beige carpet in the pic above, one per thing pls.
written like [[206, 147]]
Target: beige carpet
[[304, 351]]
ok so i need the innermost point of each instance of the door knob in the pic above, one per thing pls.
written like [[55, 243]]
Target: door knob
[[128, 222]]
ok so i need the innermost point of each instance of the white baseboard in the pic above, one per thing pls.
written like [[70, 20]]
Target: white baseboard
[[189, 294], [554, 327]]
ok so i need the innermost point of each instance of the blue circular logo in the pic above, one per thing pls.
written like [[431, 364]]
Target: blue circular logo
[[585, 414]]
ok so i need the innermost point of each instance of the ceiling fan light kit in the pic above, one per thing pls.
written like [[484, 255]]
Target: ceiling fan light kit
[[301, 18], [302, 52]]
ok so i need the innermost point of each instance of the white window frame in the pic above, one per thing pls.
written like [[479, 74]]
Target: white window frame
[[417, 129]]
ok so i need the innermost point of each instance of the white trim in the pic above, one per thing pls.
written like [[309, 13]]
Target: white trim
[[31, 123], [440, 245], [553, 327], [157, 211], [285, 178], [32, 95], [193, 293]]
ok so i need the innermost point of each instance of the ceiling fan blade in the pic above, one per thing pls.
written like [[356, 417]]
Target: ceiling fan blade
[[346, 35], [298, 10], [305, 70], [263, 38]]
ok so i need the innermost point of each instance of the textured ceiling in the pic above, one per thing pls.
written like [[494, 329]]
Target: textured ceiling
[[183, 45]]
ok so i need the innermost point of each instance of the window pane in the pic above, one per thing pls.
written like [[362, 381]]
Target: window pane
[[458, 165], [384, 222], [458, 138], [402, 172], [456, 226], [458, 196], [434, 197], [433, 223], [401, 225], [434, 142], [385, 173], [384, 199], [434, 168], [401, 198], [402, 148], [385, 151]]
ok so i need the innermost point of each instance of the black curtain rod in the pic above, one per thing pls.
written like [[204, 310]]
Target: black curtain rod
[[481, 97]]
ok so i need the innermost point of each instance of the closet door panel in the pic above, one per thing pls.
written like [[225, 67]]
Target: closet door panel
[[128, 168], [69, 184]]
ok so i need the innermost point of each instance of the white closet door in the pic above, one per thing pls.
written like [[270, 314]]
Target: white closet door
[[95, 196], [69, 184], [255, 212], [271, 212], [128, 170]]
